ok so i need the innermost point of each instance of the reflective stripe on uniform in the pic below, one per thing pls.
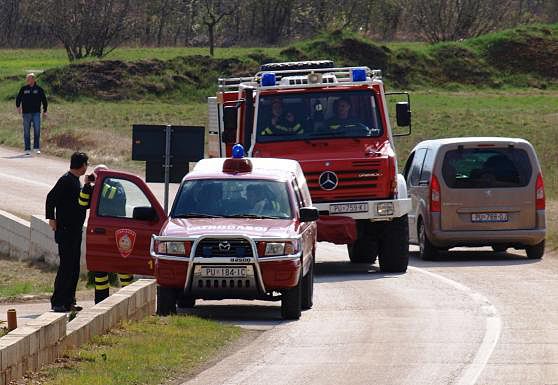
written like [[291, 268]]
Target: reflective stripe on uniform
[[112, 193], [102, 287], [102, 278], [82, 203], [84, 195], [125, 279]]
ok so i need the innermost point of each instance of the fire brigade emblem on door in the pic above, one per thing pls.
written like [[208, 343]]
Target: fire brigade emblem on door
[[328, 180], [224, 246], [125, 240]]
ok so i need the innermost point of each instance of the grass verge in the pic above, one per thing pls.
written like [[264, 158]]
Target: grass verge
[[24, 278], [152, 351]]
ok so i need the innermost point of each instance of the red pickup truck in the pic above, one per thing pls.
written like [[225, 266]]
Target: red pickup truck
[[239, 228]]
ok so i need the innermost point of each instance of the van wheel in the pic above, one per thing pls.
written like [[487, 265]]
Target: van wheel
[[308, 288], [184, 301], [291, 301], [363, 251], [394, 246], [536, 251], [499, 248], [427, 251], [166, 300]]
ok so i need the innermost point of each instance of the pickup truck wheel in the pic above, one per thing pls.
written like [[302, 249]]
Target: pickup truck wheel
[[427, 251], [291, 301], [394, 246], [536, 251], [362, 251], [184, 301], [308, 288], [166, 300]]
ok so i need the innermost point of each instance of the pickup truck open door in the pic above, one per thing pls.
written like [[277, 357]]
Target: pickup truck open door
[[124, 214]]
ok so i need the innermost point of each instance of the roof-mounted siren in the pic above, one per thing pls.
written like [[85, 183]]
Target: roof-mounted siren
[[358, 74], [238, 163], [268, 79]]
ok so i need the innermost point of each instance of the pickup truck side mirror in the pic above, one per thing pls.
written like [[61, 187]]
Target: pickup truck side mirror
[[146, 213], [309, 214], [230, 121]]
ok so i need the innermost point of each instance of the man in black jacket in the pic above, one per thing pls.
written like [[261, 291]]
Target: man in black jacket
[[66, 217], [28, 102]]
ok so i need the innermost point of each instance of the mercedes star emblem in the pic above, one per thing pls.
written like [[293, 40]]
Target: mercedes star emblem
[[328, 180], [224, 246]]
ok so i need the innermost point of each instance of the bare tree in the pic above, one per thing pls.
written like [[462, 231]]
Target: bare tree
[[441, 20], [213, 13], [88, 28]]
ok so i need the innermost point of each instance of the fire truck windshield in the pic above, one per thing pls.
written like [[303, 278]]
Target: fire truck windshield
[[232, 198], [317, 115]]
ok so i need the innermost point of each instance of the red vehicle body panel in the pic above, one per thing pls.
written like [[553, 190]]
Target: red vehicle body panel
[[103, 254]]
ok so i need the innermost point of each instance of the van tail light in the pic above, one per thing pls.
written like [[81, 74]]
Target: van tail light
[[435, 195], [539, 193]]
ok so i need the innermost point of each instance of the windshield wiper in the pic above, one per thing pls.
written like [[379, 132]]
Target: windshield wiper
[[197, 215], [255, 216], [340, 133]]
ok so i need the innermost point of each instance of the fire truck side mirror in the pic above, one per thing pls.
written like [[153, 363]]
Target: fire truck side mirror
[[403, 114], [146, 213], [230, 121]]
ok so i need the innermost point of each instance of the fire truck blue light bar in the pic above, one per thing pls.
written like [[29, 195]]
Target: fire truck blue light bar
[[358, 74], [268, 79]]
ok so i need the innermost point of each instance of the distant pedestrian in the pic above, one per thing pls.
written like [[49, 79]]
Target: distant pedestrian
[[66, 217], [28, 103]]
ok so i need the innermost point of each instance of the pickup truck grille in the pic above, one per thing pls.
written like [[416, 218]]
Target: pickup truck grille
[[224, 248]]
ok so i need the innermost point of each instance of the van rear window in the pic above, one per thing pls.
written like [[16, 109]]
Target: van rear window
[[486, 168]]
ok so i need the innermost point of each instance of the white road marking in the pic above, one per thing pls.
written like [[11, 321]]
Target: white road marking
[[25, 180], [473, 370]]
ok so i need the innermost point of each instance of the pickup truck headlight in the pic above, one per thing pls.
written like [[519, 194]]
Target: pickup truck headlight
[[280, 248], [174, 248]]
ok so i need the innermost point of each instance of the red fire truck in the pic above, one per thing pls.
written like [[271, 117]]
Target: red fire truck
[[334, 121]]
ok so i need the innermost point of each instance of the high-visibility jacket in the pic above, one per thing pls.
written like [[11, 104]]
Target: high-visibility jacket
[[282, 129]]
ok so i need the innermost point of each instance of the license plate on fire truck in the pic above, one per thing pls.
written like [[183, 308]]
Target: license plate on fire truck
[[348, 208], [223, 271]]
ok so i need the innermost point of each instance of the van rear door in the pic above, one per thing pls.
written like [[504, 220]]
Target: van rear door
[[124, 214], [487, 186]]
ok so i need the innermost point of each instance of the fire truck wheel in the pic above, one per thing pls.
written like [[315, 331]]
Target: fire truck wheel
[[362, 251], [166, 300], [427, 251], [308, 288], [291, 302], [183, 301], [394, 246]]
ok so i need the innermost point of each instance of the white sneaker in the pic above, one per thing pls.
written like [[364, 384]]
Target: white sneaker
[[37, 151], [27, 152]]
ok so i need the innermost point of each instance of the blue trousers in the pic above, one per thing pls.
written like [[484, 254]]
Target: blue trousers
[[35, 118]]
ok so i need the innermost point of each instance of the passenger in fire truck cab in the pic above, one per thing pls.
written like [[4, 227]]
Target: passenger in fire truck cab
[[342, 118], [282, 123]]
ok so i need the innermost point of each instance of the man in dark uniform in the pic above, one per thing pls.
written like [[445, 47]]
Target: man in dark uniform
[[342, 118], [28, 103], [66, 217]]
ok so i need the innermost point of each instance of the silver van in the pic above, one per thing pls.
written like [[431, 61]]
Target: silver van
[[476, 192]]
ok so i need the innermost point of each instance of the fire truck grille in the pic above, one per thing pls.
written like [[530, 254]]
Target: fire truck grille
[[349, 183], [224, 248]]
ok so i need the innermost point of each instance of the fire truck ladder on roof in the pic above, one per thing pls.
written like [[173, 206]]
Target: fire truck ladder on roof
[[342, 74]]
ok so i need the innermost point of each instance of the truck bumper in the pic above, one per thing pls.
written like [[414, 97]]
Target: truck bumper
[[372, 210]]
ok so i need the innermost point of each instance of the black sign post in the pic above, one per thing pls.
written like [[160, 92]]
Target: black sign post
[[167, 150]]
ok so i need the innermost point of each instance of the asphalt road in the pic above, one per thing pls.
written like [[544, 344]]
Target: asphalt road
[[473, 317]]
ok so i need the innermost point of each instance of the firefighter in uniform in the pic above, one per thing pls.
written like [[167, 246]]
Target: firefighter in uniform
[[113, 198], [66, 217], [282, 125], [342, 118]]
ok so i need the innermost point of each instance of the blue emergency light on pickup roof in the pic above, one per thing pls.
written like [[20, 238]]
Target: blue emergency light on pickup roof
[[358, 74], [238, 151], [268, 79]]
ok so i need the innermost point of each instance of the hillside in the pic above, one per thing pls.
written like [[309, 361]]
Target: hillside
[[520, 57]]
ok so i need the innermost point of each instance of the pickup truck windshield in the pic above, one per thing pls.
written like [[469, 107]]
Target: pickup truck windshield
[[232, 198], [317, 115]]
